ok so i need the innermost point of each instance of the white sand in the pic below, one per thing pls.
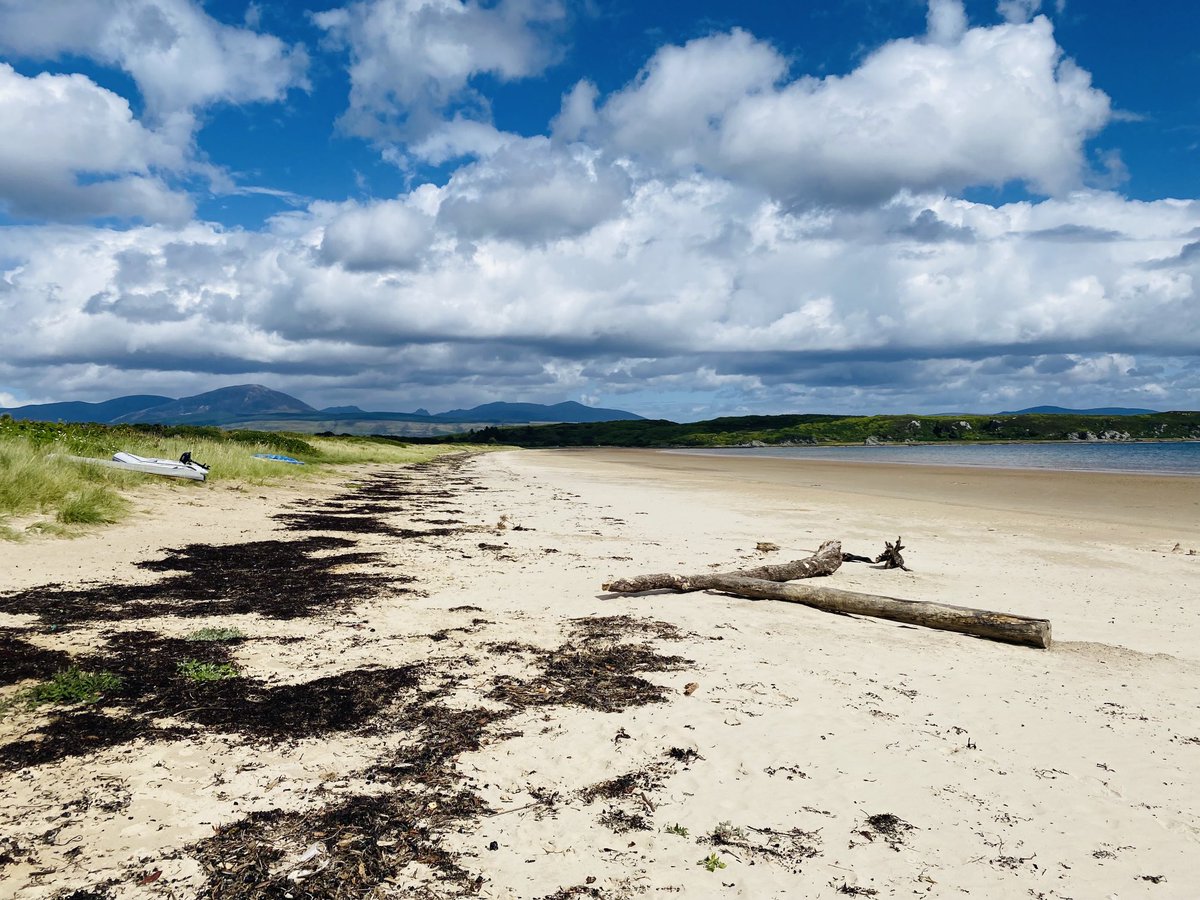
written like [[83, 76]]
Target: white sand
[[1063, 773]]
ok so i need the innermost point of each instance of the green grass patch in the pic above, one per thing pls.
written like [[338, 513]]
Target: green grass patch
[[216, 634], [92, 504], [36, 479], [72, 685], [204, 671]]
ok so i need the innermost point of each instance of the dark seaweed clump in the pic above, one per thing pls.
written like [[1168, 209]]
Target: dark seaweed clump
[[20, 659], [594, 670], [153, 688], [276, 579], [893, 829]]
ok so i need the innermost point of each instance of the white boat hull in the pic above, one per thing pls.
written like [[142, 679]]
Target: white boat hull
[[128, 461]]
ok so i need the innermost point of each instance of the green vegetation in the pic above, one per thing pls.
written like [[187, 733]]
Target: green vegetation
[[798, 430], [206, 671], [60, 496], [216, 634], [712, 862], [676, 829], [72, 685]]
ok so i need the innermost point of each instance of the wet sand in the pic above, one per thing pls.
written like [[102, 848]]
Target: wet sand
[[452, 679]]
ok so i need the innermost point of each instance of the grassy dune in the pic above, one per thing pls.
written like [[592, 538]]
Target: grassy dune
[[40, 490]]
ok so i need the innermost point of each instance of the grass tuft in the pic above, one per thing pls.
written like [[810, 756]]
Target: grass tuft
[[72, 685], [92, 504], [216, 634], [205, 671]]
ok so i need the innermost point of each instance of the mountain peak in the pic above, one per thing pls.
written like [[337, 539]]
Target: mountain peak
[[221, 406]]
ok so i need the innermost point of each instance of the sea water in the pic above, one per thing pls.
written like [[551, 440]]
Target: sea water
[[1159, 457]]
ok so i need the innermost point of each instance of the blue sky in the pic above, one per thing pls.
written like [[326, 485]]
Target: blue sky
[[682, 209]]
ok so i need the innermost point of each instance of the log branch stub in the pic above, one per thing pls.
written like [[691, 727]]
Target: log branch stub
[[825, 561], [890, 557]]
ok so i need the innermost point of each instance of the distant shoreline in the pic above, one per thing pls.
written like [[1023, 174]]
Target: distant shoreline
[[1022, 456]]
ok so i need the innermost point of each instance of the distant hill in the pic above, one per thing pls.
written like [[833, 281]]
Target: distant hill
[[221, 407], [256, 406], [800, 430], [516, 413], [78, 411], [1064, 411]]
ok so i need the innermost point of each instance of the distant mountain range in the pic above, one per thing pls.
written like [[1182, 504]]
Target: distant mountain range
[[1063, 411], [256, 406]]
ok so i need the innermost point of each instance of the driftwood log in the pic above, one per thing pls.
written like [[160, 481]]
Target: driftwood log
[[983, 623], [763, 583], [825, 561]]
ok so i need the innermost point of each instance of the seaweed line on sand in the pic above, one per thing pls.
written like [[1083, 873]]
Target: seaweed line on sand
[[360, 843]]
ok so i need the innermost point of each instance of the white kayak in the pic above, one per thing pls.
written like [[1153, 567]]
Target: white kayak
[[172, 468]]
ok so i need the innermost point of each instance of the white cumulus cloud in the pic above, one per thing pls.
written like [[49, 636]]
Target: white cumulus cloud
[[984, 106], [412, 59], [180, 57], [390, 234], [71, 149]]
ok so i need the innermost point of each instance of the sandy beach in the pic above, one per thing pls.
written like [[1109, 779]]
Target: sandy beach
[[436, 698]]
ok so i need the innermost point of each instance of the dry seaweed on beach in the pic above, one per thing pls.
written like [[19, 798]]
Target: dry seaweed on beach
[[364, 842], [273, 578], [603, 678], [888, 826], [21, 659], [155, 687], [787, 848]]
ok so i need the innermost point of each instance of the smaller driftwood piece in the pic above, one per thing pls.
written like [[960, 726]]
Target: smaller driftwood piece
[[825, 561]]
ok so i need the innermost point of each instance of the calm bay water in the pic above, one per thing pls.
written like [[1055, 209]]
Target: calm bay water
[[1164, 458]]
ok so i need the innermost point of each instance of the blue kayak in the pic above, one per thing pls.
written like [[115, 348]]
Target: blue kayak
[[279, 458]]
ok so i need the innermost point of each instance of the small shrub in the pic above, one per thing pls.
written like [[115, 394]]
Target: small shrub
[[712, 862], [676, 829], [202, 671], [217, 634], [728, 833]]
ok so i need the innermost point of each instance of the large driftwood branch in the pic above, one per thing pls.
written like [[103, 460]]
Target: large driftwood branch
[[983, 623], [825, 561]]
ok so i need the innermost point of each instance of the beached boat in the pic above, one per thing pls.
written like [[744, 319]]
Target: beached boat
[[172, 468]]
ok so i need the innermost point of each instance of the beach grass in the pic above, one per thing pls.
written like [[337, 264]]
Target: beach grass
[[41, 490], [33, 482]]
